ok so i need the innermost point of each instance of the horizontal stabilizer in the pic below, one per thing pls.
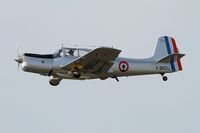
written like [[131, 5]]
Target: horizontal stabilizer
[[167, 59]]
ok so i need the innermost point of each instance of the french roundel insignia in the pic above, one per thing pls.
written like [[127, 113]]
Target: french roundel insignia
[[123, 66]]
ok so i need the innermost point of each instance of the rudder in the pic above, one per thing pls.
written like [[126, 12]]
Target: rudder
[[166, 51]]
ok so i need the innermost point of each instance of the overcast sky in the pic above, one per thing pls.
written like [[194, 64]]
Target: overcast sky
[[146, 104]]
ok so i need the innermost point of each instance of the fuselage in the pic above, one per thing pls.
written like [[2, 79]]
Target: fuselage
[[102, 63], [44, 64]]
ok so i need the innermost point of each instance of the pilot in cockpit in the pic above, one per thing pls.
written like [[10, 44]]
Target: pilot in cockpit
[[71, 52], [61, 53]]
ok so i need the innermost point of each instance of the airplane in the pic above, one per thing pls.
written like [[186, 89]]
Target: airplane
[[101, 63]]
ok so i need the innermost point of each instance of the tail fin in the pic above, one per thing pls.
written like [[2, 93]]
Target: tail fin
[[167, 52]]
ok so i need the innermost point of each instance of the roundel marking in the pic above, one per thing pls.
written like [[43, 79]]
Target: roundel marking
[[123, 66]]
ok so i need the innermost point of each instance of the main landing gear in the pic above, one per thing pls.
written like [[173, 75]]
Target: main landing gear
[[54, 81], [76, 73], [164, 77]]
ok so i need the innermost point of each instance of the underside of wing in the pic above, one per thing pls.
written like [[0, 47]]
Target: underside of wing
[[98, 60]]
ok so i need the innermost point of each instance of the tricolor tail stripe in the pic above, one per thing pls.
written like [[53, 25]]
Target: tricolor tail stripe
[[167, 44], [174, 45], [172, 65], [170, 48], [179, 65], [176, 51]]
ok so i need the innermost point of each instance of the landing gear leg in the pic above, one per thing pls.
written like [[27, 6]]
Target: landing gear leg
[[164, 77], [116, 78], [49, 74]]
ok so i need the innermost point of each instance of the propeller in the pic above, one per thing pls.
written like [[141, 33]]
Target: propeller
[[19, 58]]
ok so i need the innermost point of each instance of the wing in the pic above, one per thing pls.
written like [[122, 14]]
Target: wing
[[98, 60]]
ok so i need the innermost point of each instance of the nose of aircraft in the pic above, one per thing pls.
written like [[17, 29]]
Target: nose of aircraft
[[19, 60]]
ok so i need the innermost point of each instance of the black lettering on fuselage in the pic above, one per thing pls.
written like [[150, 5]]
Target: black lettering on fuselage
[[162, 68]]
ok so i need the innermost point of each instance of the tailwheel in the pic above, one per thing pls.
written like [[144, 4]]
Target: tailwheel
[[164, 77]]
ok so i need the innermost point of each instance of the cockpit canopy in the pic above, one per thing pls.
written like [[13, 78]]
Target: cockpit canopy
[[71, 52], [61, 53]]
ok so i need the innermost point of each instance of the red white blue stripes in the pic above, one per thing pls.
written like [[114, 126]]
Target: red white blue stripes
[[172, 49]]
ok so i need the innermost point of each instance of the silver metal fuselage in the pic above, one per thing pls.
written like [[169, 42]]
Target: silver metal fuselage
[[44, 66], [102, 63]]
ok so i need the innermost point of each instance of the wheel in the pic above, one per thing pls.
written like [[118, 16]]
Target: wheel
[[54, 84], [54, 81], [165, 78], [76, 74]]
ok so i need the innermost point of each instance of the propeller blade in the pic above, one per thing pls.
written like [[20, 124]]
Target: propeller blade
[[19, 58], [18, 50], [18, 66]]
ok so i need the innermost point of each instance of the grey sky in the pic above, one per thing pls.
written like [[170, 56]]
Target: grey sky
[[136, 104]]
